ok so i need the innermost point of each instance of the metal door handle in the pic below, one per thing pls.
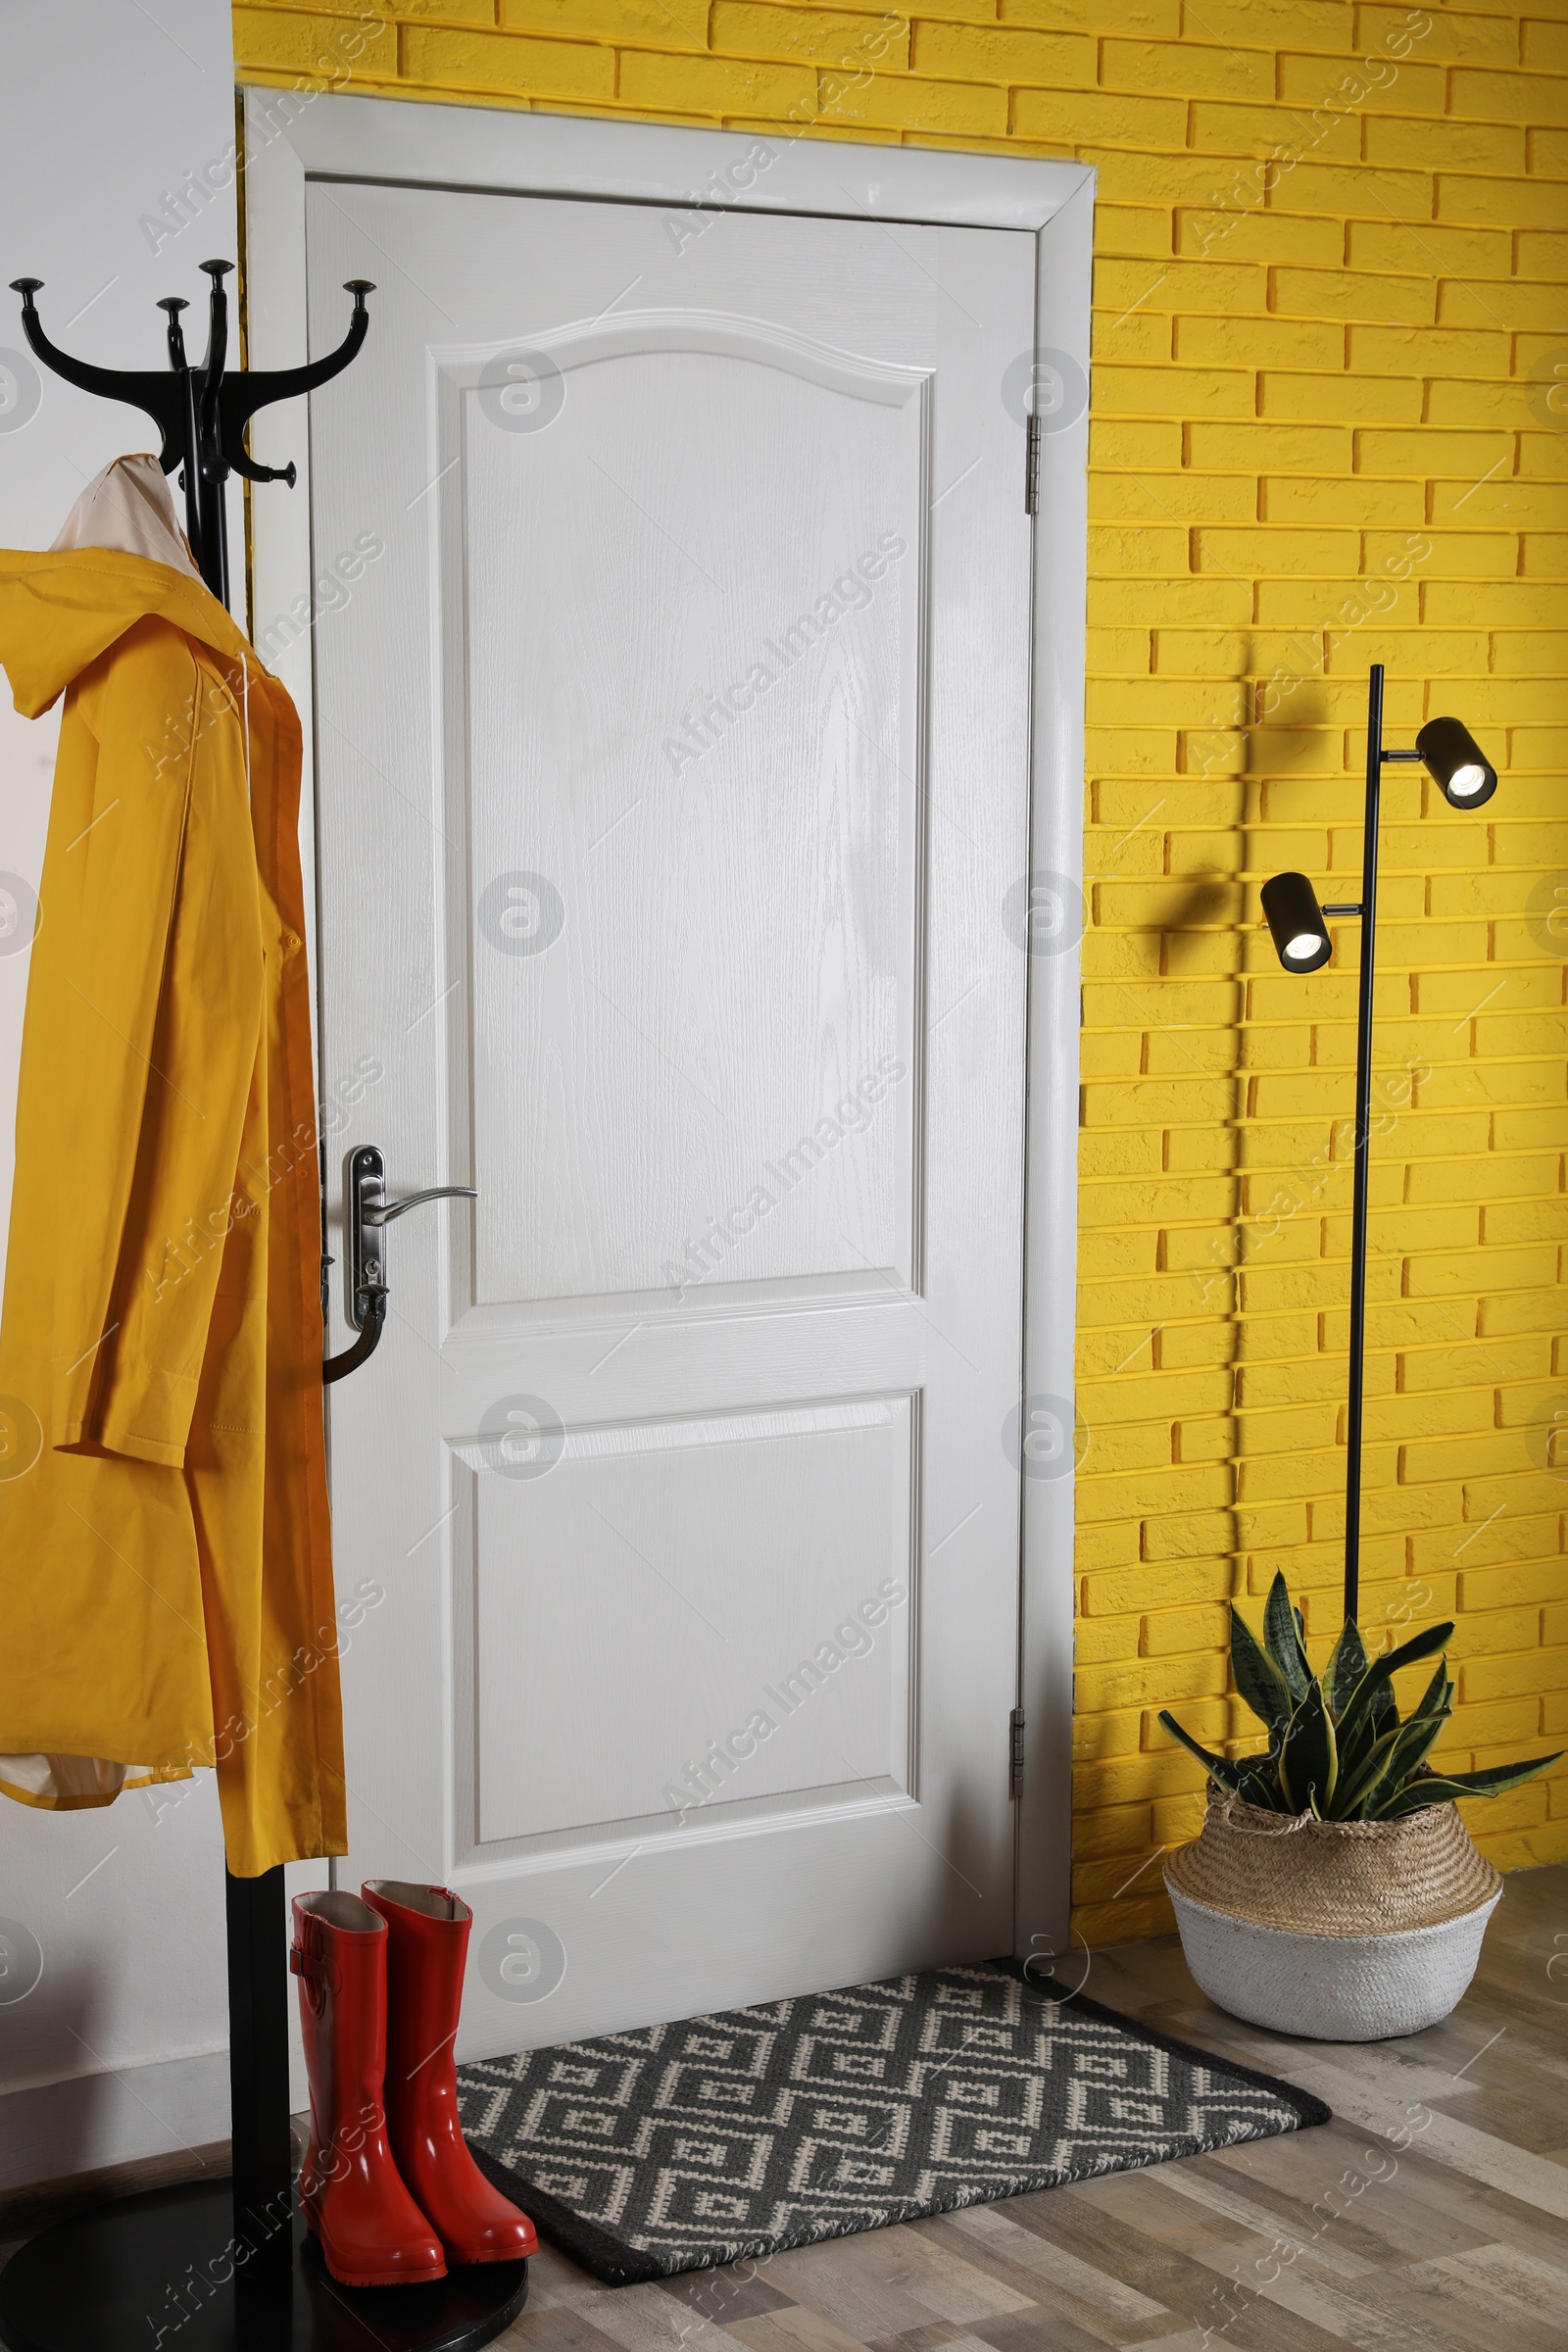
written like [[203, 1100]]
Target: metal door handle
[[367, 1210], [395, 1208]]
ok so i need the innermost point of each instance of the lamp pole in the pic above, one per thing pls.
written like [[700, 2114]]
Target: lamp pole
[[1367, 909], [1363, 1140]]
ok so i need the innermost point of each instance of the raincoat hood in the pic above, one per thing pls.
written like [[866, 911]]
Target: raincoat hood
[[58, 612]]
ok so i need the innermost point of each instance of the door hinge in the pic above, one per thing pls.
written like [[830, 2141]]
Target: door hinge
[[1015, 1752], [1031, 466]]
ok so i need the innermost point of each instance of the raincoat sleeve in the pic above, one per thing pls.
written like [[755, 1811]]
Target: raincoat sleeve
[[162, 1029]]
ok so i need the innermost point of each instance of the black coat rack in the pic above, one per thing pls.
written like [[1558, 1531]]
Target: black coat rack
[[201, 412], [221, 2266]]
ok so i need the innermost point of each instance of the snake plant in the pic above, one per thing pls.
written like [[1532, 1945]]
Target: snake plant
[[1337, 1747]]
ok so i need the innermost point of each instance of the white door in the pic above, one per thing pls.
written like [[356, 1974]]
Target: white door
[[672, 755]]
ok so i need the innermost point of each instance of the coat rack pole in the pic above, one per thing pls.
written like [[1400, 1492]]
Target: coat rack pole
[[256, 1920], [254, 1910]]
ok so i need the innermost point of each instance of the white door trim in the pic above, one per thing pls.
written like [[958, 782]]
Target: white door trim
[[291, 136]]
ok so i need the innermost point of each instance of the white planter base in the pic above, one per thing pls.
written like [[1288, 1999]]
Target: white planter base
[[1331, 1988]]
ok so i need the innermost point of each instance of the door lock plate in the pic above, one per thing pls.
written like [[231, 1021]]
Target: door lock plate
[[364, 1187]]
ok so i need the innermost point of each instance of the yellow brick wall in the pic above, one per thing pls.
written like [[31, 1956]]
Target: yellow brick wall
[[1331, 292]]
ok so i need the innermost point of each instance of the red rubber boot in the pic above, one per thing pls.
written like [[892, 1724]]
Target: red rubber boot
[[370, 2230], [427, 1930]]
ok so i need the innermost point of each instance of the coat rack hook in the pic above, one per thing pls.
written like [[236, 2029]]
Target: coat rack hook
[[240, 396], [213, 365], [160, 393], [173, 304]]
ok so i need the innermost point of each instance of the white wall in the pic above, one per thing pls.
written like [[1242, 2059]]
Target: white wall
[[104, 109]]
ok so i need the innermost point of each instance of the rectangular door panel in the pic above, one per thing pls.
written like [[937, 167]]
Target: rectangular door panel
[[739, 1605], [690, 794]]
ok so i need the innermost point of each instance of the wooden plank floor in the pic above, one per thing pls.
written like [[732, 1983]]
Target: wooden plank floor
[[1430, 2216]]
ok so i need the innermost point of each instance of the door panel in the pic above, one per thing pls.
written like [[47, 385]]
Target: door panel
[[672, 771], [770, 925], [788, 1539]]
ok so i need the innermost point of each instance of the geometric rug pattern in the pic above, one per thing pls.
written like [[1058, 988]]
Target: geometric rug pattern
[[681, 2147]]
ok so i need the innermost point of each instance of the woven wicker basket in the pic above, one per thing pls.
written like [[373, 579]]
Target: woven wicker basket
[[1346, 1931]]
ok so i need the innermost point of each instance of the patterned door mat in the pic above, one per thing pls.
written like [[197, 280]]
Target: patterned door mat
[[681, 2147]]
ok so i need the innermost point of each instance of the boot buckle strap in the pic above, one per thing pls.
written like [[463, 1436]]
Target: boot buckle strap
[[317, 1980]]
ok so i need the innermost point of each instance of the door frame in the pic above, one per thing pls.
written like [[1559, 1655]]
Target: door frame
[[290, 136]]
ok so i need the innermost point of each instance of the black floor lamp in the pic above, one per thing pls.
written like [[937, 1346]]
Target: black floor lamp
[[1466, 778]]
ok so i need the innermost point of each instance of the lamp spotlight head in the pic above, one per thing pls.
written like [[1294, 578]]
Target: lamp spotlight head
[[1296, 920], [1456, 762]]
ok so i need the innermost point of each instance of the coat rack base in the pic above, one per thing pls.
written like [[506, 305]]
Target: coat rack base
[[156, 2273]]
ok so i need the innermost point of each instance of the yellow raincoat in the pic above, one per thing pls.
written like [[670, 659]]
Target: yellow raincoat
[[166, 1582]]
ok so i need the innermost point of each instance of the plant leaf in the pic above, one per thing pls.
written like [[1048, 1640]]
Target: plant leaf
[[1347, 1662], [1428, 1791], [1371, 1708], [1220, 1766], [1261, 1786], [1437, 1698], [1372, 1692], [1419, 1645], [1355, 1786], [1308, 1764], [1355, 1746], [1359, 1729], [1257, 1679], [1409, 1752], [1283, 1640], [1436, 1788], [1395, 1754]]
